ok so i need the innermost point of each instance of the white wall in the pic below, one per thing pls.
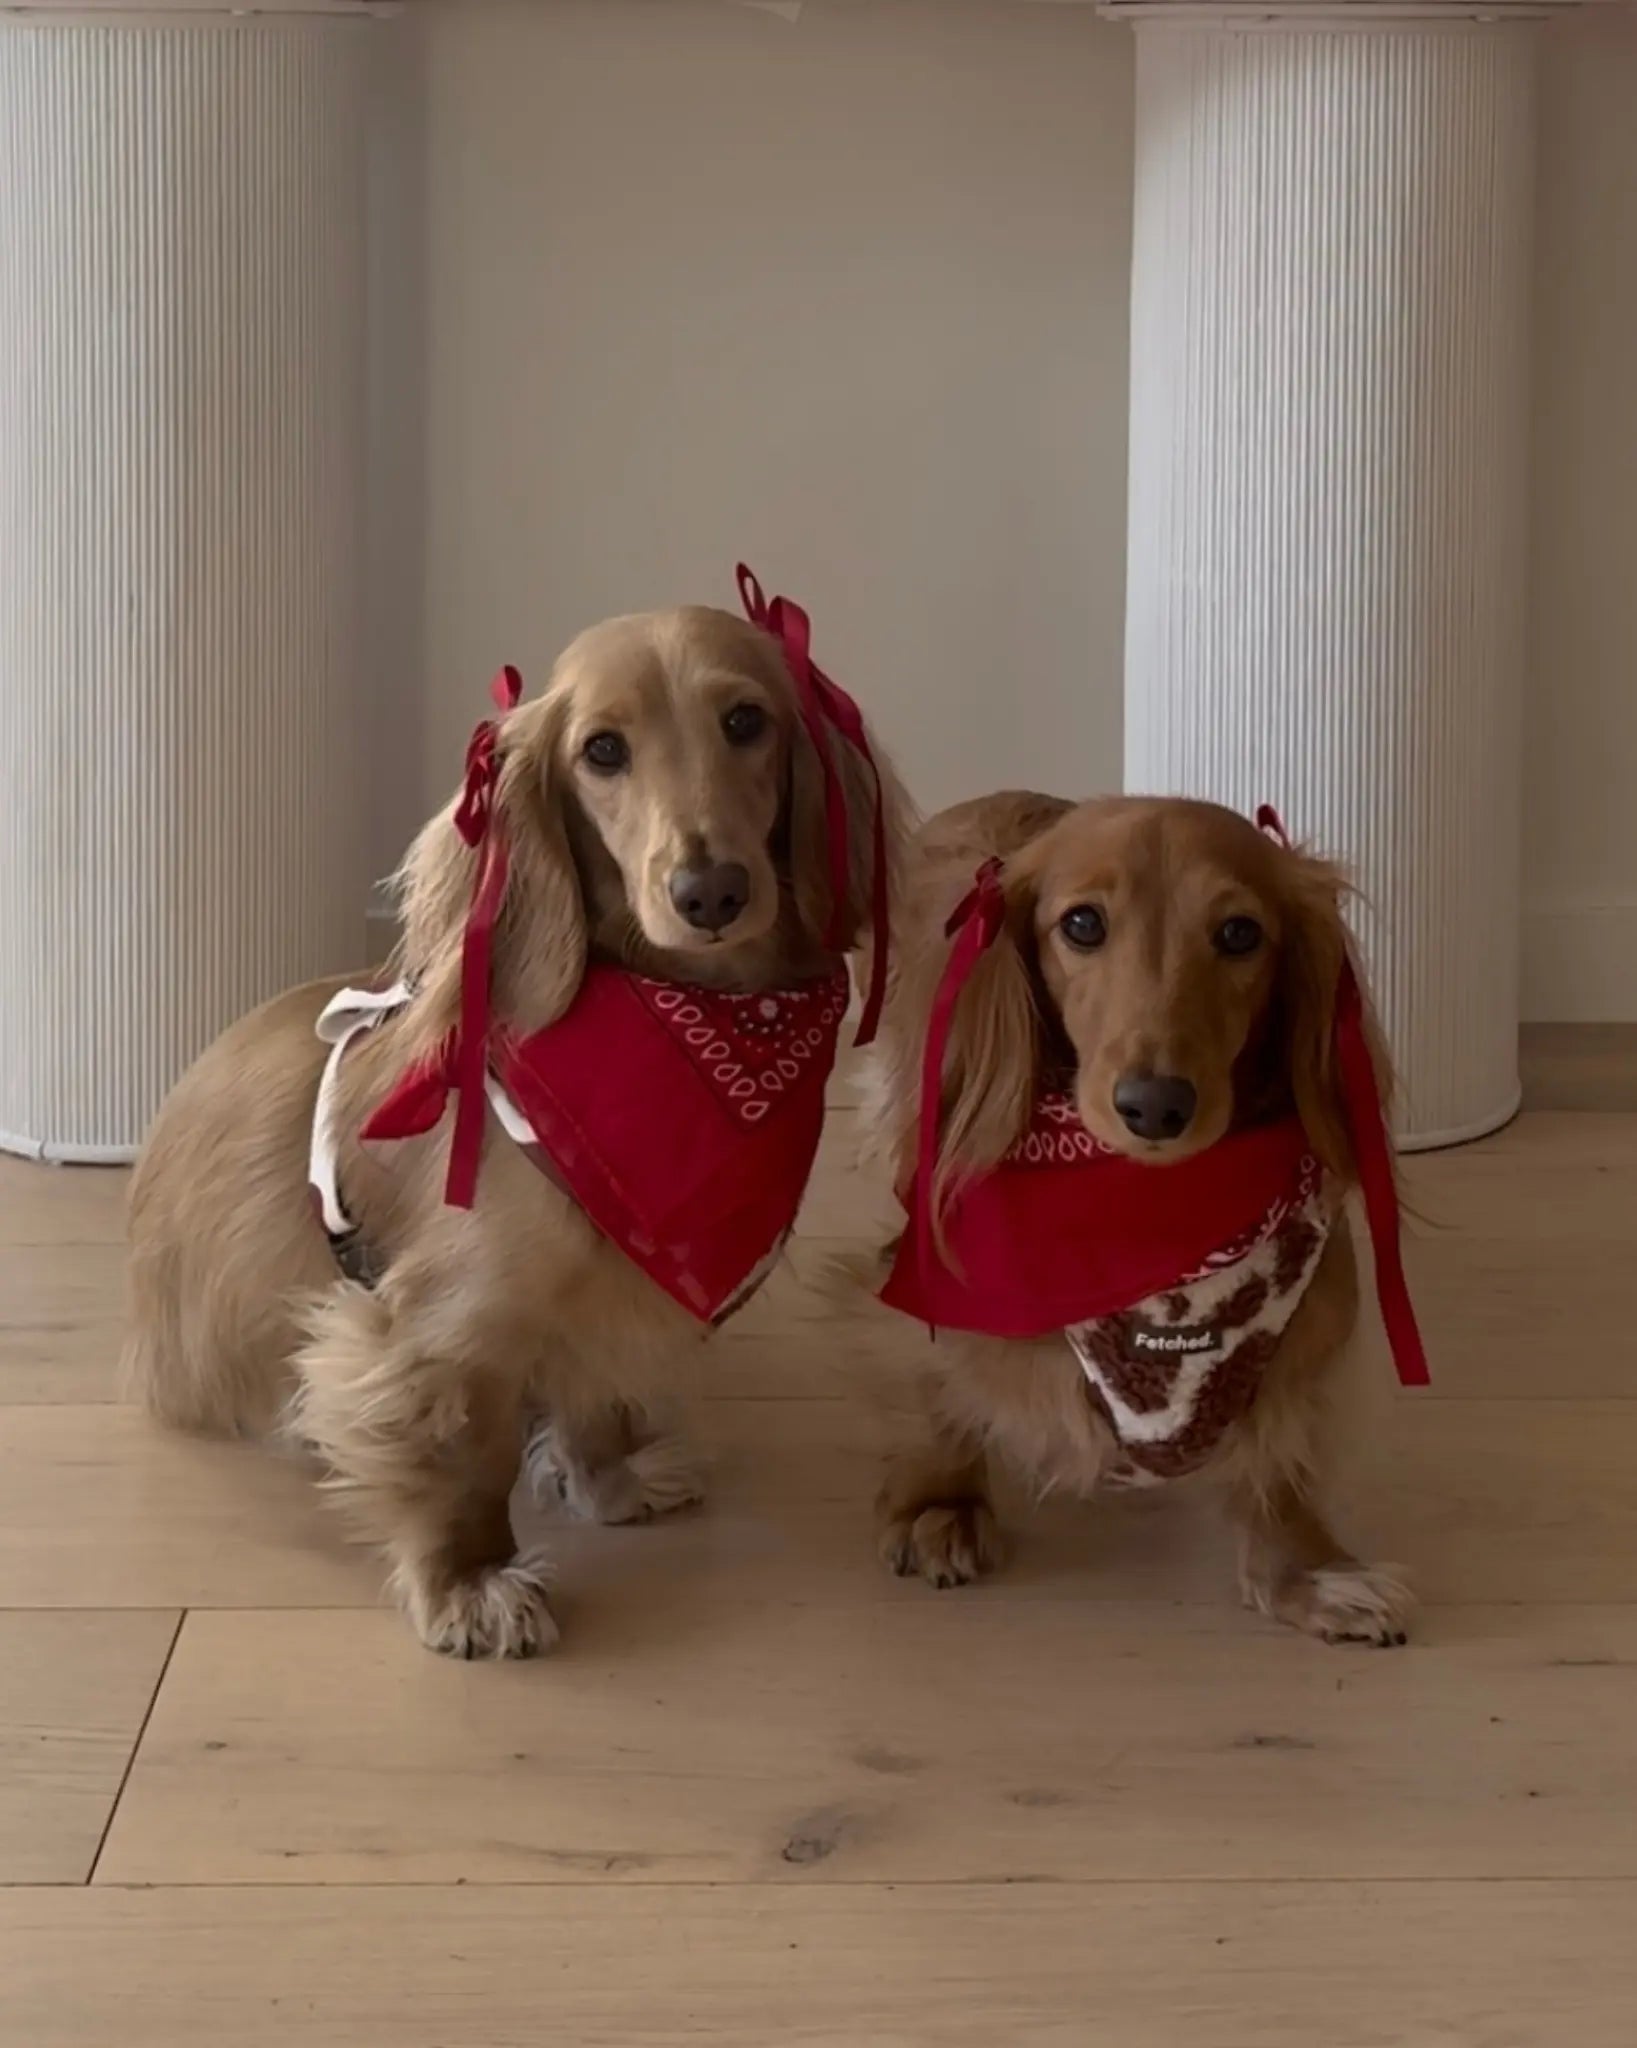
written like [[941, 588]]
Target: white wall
[[845, 297], [849, 296], [1580, 791]]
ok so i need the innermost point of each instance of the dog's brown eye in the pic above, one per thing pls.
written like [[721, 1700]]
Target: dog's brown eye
[[606, 752], [1084, 927], [744, 723], [1238, 936]]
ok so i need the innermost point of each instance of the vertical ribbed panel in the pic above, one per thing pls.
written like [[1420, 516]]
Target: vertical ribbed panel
[[181, 473], [1328, 490]]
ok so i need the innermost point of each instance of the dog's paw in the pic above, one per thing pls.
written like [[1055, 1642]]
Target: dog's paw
[[657, 1478], [948, 1543], [501, 1612], [1345, 1604]]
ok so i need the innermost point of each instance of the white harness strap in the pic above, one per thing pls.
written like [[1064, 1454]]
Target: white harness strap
[[507, 1114], [344, 1017]]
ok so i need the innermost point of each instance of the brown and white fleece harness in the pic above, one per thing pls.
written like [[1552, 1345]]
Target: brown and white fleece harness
[[1171, 1375]]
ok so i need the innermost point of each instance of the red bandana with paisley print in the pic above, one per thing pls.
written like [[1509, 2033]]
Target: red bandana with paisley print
[[682, 1120]]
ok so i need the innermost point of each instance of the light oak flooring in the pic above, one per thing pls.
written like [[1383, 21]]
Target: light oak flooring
[[763, 1794]]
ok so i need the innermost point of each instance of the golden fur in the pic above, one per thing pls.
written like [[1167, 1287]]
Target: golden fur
[[417, 1397], [1252, 1035]]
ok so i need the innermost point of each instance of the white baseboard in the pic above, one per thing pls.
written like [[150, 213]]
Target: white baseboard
[[1580, 961]]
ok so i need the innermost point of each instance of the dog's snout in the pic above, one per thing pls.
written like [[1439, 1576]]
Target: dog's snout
[[710, 898], [1155, 1106]]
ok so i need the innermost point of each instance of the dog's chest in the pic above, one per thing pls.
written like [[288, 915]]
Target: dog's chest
[[1173, 1374]]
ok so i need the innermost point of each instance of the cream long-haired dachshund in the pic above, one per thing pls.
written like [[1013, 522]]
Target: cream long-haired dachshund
[[677, 840], [1151, 1082]]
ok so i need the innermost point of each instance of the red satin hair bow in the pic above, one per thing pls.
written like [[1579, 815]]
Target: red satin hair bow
[[475, 822], [825, 708], [974, 927]]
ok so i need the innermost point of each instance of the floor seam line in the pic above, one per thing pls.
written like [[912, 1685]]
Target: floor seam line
[[130, 1762]]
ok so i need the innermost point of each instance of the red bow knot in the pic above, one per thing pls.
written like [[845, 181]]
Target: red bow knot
[[476, 807], [985, 901], [1269, 821]]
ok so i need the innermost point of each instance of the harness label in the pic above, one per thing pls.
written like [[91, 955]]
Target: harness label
[[1154, 1340]]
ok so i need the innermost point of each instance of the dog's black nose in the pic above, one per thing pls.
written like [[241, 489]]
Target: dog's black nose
[[711, 898], [1155, 1105]]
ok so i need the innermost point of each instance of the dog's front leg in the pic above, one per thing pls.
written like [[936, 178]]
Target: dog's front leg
[[421, 1453], [932, 1515], [1291, 1565], [1293, 1568]]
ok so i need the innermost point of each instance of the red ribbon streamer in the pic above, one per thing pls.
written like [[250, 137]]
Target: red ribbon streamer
[[1372, 1153], [822, 703], [476, 823], [974, 924]]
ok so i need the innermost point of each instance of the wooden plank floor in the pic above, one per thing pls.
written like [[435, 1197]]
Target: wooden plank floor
[[763, 1794]]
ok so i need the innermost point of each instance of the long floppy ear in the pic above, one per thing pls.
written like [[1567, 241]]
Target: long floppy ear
[[1316, 949], [808, 839], [540, 935], [991, 1068]]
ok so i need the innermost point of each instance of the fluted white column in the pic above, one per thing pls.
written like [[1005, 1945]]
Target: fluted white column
[[181, 505], [1328, 480]]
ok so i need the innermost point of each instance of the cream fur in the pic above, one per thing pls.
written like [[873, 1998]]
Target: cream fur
[[516, 1318]]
